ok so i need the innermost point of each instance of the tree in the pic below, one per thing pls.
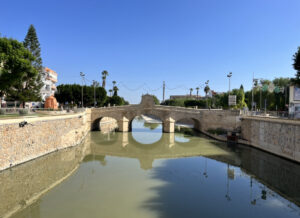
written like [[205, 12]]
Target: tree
[[18, 77], [206, 89], [296, 65], [110, 92], [31, 42], [116, 89], [156, 101], [104, 75], [191, 90], [115, 100], [197, 88], [72, 94]]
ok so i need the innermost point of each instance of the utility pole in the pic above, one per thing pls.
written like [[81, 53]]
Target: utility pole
[[82, 76], [252, 93], [164, 87], [229, 76]]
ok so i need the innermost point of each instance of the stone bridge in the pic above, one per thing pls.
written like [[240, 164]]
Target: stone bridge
[[203, 119]]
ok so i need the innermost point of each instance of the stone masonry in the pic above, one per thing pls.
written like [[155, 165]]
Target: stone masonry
[[278, 136], [39, 137]]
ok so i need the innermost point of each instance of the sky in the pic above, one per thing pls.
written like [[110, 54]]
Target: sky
[[142, 43]]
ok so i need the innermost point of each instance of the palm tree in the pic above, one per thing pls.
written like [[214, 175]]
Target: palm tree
[[104, 75], [206, 89], [197, 88], [114, 83], [191, 90], [110, 91], [116, 89]]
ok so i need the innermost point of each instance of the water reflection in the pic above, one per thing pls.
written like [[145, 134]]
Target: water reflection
[[141, 133], [113, 175]]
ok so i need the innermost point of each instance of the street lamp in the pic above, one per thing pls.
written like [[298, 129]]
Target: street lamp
[[229, 76], [206, 83], [82, 77]]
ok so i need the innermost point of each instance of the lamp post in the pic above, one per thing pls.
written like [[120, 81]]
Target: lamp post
[[82, 76], [229, 75], [206, 84]]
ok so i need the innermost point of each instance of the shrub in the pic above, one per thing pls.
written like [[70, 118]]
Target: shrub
[[2, 111], [23, 111], [193, 103], [218, 131]]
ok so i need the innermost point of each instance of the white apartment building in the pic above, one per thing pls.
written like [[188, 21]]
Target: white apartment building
[[49, 79]]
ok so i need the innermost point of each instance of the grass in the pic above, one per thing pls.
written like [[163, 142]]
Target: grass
[[17, 115], [218, 131]]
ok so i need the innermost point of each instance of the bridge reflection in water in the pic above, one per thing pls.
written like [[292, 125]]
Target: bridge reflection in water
[[27, 187]]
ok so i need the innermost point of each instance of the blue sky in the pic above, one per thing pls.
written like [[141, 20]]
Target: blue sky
[[142, 43]]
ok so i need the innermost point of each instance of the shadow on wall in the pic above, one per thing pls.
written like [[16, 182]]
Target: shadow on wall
[[202, 187]]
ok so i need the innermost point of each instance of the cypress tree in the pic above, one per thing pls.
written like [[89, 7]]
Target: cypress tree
[[31, 42]]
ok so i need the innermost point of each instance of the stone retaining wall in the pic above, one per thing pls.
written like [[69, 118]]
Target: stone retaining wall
[[278, 136], [40, 136]]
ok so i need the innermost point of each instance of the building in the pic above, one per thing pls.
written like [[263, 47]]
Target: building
[[49, 78], [294, 105]]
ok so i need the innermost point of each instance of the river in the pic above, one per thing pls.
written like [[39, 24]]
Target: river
[[150, 174]]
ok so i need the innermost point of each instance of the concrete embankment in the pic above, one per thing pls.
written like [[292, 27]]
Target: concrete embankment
[[21, 142], [277, 136]]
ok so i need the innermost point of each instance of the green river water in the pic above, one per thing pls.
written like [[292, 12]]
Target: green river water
[[150, 174]]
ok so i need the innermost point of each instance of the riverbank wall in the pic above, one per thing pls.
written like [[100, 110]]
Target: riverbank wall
[[277, 136], [21, 142]]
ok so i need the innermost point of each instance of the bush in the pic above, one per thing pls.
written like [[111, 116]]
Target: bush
[[218, 131], [193, 103], [23, 111], [2, 111], [174, 102]]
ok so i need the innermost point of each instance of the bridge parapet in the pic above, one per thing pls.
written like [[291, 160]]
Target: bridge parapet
[[204, 119]]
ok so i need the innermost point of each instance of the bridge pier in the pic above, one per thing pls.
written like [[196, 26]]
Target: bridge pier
[[169, 125], [123, 125]]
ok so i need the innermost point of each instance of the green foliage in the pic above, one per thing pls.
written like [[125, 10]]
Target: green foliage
[[218, 131], [156, 101], [71, 93], [273, 99], [188, 102], [104, 75], [206, 89], [240, 97], [19, 80], [151, 126], [296, 66], [174, 102], [31, 42], [115, 100], [281, 82], [193, 103], [115, 89]]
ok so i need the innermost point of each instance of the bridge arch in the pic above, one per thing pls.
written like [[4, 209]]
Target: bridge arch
[[188, 122], [104, 124]]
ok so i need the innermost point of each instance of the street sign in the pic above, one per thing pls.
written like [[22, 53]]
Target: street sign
[[231, 100]]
